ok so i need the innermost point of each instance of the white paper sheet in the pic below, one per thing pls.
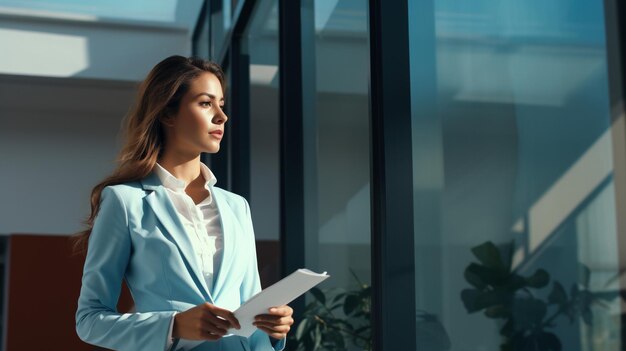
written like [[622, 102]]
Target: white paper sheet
[[281, 293]]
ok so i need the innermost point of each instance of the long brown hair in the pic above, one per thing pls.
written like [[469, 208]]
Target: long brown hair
[[158, 96]]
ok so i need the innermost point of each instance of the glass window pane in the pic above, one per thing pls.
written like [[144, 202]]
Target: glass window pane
[[336, 156], [221, 24], [183, 13], [260, 48], [202, 42], [233, 5], [513, 176]]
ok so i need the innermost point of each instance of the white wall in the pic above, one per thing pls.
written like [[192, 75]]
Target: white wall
[[58, 138], [66, 82], [82, 46]]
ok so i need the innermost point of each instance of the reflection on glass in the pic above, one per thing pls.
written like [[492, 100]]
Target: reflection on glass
[[515, 223], [233, 5], [180, 12], [337, 169], [202, 42], [260, 50], [221, 23]]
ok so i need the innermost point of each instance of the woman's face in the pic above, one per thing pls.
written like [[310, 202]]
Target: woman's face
[[193, 129]]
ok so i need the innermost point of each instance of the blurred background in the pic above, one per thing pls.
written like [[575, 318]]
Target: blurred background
[[459, 168]]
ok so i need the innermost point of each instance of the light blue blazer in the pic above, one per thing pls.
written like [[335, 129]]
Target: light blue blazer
[[138, 236]]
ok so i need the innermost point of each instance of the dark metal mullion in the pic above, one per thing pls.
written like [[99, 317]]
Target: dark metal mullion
[[214, 7], [240, 23], [393, 256], [221, 161], [240, 123], [310, 122], [202, 20], [615, 21], [291, 142], [222, 165], [207, 12]]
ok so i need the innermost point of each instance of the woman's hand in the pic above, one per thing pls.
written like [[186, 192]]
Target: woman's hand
[[277, 323], [203, 322]]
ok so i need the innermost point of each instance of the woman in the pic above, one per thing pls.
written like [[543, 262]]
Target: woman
[[184, 246]]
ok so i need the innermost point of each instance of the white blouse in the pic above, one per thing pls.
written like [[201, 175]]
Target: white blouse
[[201, 221]]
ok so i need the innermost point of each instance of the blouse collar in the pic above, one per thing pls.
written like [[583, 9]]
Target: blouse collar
[[173, 183]]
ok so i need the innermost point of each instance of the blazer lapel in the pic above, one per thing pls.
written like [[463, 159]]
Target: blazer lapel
[[229, 225], [165, 211]]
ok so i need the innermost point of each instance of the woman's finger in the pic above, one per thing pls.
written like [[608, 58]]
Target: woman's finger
[[220, 322], [210, 332], [213, 328], [273, 334], [282, 328], [283, 310], [226, 314], [274, 320]]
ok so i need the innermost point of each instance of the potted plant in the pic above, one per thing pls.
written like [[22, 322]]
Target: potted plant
[[338, 319], [527, 319]]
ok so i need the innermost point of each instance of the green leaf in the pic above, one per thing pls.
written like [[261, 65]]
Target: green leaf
[[528, 312], [489, 255], [337, 305], [302, 327], [365, 292], [351, 303], [473, 276], [311, 307], [557, 296], [470, 300], [475, 300], [319, 295], [546, 341], [585, 298], [498, 311], [606, 295], [345, 323], [574, 291], [538, 280], [481, 276], [317, 339], [587, 315], [336, 340], [507, 252], [570, 312], [584, 273], [362, 329], [515, 282], [337, 297], [507, 329]]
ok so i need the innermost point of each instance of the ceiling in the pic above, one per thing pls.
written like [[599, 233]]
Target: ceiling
[[180, 13]]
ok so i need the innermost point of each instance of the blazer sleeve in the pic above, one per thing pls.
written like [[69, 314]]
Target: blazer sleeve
[[97, 320], [259, 340]]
